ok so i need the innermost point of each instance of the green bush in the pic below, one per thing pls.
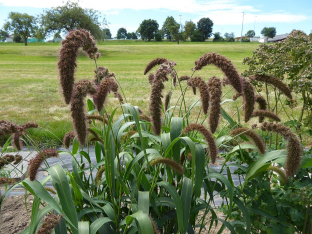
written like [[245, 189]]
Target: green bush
[[158, 37], [17, 38], [197, 36]]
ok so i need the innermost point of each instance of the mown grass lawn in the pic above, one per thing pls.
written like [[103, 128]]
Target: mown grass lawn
[[29, 83]]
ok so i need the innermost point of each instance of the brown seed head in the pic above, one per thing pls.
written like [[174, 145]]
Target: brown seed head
[[99, 174], [151, 78], [29, 125], [6, 128], [252, 136], [68, 137], [276, 82], [169, 162], [262, 105], [213, 150], [182, 78], [107, 85], [280, 172], [153, 63], [67, 59], [17, 142], [145, 117], [50, 221], [215, 91], [35, 163], [100, 74], [266, 113], [294, 148], [97, 117], [165, 69], [17, 158], [119, 96], [155, 105], [203, 90], [224, 64], [167, 99], [248, 99]]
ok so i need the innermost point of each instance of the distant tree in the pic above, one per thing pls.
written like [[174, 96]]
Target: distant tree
[[148, 29], [72, 16], [205, 27], [132, 35], [189, 28], [173, 27], [197, 36], [122, 33], [3, 35], [250, 33], [21, 24], [268, 32], [57, 37], [158, 36], [229, 37], [217, 37], [106, 34], [17, 38], [40, 34]]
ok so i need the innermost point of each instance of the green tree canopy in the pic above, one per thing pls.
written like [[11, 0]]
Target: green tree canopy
[[250, 33], [217, 37], [173, 27], [148, 29], [189, 28], [106, 34], [268, 32], [197, 36], [3, 35], [122, 33], [132, 35], [72, 16], [205, 27], [21, 24], [229, 37]]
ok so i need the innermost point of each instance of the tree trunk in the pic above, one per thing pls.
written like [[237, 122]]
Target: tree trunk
[[25, 41]]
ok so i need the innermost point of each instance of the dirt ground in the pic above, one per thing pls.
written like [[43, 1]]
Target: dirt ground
[[14, 217]]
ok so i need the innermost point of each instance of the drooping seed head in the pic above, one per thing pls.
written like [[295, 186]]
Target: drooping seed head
[[262, 105], [165, 68], [248, 99], [224, 64], [294, 147], [170, 163], [155, 105], [167, 99], [119, 96], [16, 141], [35, 163], [68, 137], [17, 158], [215, 93], [182, 78], [280, 172], [99, 174], [267, 114], [153, 63], [213, 150], [107, 85], [203, 90], [50, 221], [252, 136]]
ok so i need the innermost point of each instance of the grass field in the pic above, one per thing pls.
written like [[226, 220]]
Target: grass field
[[29, 82]]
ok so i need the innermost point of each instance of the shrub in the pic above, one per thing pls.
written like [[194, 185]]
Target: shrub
[[158, 37], [17, 38], [197, 36]]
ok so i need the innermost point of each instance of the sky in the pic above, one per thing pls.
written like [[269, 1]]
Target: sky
[[227, 15]]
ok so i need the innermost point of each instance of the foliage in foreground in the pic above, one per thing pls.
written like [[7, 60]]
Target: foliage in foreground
[[153, 172]]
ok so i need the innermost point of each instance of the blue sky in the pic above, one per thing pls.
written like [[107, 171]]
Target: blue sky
[[227, 15]]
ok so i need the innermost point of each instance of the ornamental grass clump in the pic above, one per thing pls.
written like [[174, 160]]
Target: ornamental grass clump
[[294, 148]]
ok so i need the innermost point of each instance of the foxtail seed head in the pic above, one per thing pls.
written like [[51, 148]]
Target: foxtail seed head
[[280, 172], [107, 85], [153, 63], [155, 105], [249, 99], [262, 105], [203, 90], [50, 221], [215, 91], [68, 137], [167, 99], [99, 174], [267, 114], [169, 162]]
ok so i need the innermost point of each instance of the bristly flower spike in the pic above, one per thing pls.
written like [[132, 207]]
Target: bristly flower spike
[[215, 91], [153, 63], [203, 90]]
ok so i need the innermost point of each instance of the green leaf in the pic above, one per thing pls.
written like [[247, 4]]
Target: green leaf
[[186, 201], [143, 221], [242, 207], [227, 183], [97, 149], [263, 213], [243, 146], [60, 183], [76, 174], [90, 104], [83, 227], [228, 225], [177, 201], [228, 118], [200, 168], [306, 162], [75, 146], [98, 223], [143, 201], [165, 141], [34, 214], [175, 131], [262, 163]]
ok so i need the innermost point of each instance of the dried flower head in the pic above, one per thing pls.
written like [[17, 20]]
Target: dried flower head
[[151, 78], [165, 69], [294, 148], [280, 172], [68, 54], [81, 89], [119, 96], [267, 114], [50, 221], [167, 99], [17, 158], [5, 180], [108, 85], [8, 158], [276, 82], [224, 64], [213, 150], [100, 73], [168, 162], [252, 136], [145, 118], [35, 163], [248, 99], [99, 174], [155, 105], [153, 63], [97, 117], [215, 91], [6, 128], [29, 125], [262, 105], [203, 90], [68, 137], [182, 78], [17, 142]]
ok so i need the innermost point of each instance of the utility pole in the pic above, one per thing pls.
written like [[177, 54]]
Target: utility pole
[[255, 25], [242, 28]]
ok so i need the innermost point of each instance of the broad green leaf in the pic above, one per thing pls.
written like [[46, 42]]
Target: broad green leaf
[[76, 174], [75, 146], [186, 197], [243, 146], [261, 162], [143, 221], [97, 149], [306, 162], [228, 225], [60, 183], [242, 207], [228, 118], [34, 214], [143, 201], [83, 227], [175, 131], [200, 168], [165, 141], [177, 201], [98, 223]]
